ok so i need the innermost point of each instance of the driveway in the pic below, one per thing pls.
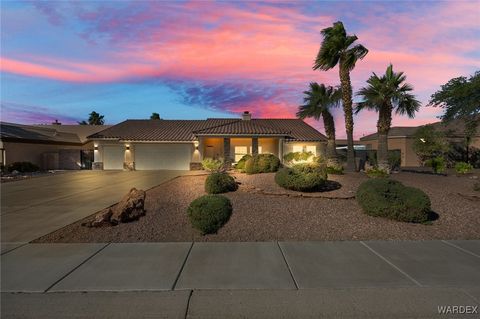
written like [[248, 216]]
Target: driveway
[[35, 207]]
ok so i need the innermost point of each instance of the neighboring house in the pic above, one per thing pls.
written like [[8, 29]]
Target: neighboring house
[[48, 146], [401, 138], [183, 144]]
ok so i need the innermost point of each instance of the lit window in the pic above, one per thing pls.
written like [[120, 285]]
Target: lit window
[[297, 148], [240, 151], [312, 148]]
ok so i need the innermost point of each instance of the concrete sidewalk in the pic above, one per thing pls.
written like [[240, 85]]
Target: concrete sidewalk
[[261, 279]]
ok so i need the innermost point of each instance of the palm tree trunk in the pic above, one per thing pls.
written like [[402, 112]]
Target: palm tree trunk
[[329, 125], [348, 112], [383, 126]]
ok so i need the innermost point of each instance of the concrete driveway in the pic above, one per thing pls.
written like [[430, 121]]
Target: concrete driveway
[[35, 207]]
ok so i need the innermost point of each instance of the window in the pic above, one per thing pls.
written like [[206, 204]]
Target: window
[[298, 148], [312, 148], [240, 151]]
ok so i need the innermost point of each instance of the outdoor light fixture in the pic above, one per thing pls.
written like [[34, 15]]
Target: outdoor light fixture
[[95, 148], [127, 147], [196, 145], [423, 140]]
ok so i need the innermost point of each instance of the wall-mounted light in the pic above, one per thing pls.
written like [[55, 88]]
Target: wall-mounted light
[[127, 147], [195, 143], [95, 148]]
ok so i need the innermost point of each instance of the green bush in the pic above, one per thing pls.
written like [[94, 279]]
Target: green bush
[[213, 165], [297, 156], [262, 163], [335, 169], [217, 183], [209, 213], [437, 164], [241, 163], [463, 168], [389, 198], [23, 167], [376, 172], [308, 177]]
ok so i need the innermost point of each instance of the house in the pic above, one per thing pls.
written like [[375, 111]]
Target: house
[[183, 144], [401, 138], [53, 146]]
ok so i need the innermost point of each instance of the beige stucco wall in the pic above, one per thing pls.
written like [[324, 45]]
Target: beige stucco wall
[[408, 156], [212, 147]]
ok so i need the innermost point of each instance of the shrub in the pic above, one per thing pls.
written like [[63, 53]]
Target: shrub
[[23, 167], [335, 169], [297, 156], [209, 213], [262, 163], [308, 177], [389, 198], [376, 172], [463, 168], [241, 163], [213, 165], [437, 164], [217, 183]]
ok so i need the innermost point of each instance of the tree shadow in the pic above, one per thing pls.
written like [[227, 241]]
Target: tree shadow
[[329, 186]]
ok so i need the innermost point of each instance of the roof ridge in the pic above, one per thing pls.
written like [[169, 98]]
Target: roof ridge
[[215, 126]]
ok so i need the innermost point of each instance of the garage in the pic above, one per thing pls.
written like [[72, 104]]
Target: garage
[[163, 156], [113, 156]]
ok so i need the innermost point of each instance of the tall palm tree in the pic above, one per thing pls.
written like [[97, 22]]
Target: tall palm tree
[[383, 95], [338, 48], [94, 118], [318, 102]]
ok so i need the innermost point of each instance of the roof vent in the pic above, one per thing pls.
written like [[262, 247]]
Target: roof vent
[[246, 116]]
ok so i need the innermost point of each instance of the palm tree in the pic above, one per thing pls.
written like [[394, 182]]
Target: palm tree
[[383, 95], [155, 116], [318, 102], [93, 119], [337, 48]]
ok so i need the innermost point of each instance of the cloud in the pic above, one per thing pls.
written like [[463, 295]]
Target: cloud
[[32, 114]]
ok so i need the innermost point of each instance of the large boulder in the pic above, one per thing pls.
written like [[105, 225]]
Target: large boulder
[[130, 208]]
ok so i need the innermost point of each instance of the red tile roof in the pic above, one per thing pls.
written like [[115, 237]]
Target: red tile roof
[[188, 130]]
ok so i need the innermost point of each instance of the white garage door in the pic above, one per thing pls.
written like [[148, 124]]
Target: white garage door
[[113, 157], [163, 156]]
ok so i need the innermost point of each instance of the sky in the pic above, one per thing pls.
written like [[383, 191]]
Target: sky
[[199, 59]]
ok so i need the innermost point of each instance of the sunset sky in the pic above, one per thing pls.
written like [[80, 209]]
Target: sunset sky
[[197, 59]]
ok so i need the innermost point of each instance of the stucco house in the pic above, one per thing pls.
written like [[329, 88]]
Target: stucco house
[[183, 144], [401, 138], [50, 147]]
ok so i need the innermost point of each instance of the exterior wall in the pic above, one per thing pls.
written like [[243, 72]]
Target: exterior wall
[[269, 145], [46, 156], [408, 156], [212, 147], [475, 142]]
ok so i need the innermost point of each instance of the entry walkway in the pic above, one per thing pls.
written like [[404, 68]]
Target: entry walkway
[[393, 279]]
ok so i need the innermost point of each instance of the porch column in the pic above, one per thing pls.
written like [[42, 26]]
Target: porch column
[[280, 149], [254, 146], [226, 150]]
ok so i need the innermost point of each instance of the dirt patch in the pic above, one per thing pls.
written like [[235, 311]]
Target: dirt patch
[[261, 217]]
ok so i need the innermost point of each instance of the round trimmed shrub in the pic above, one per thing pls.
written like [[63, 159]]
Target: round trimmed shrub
[[209, 213], [241, 163], [217, 183], [262, 163], [382, 197], [309, 177]]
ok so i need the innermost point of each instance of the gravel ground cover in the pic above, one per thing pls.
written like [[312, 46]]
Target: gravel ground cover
[[262, 211]]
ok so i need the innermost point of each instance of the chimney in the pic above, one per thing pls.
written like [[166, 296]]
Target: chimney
[[56, 122], [246, 116]]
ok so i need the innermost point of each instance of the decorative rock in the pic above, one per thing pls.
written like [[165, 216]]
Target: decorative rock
[[130, 208]]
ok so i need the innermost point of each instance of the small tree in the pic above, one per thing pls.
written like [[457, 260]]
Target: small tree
[[155, 116], [93, 119], [429, 143]]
